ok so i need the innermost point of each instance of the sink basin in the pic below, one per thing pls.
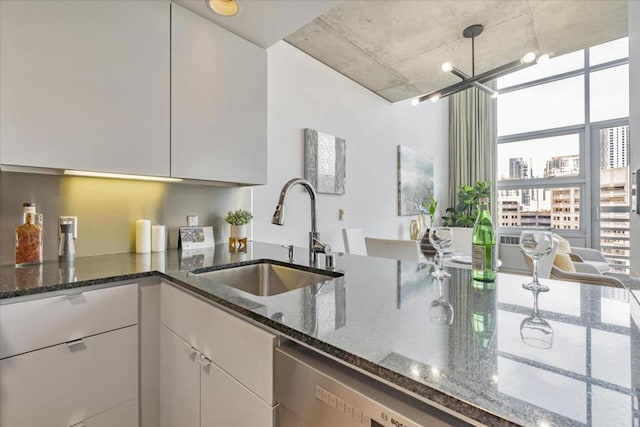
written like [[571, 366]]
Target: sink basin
[[264, 278]]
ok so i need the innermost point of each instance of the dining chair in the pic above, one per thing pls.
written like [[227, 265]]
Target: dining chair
[[354, 241], [404, 250]]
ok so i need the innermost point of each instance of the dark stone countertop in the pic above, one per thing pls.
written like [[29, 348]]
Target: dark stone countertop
[[382, 318]]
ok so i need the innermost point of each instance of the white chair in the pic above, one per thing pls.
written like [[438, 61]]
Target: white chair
[[547, 270], [404, 250], [354, 241], [462, 237]]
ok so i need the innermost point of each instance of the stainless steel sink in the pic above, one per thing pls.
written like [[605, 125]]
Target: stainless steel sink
[[265, 278]]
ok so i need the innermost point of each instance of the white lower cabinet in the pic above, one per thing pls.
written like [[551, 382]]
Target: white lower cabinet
[[201, 384], [125, 415], [226, 402], [70, 360], [179, 382], [195, 392], [69, 383]]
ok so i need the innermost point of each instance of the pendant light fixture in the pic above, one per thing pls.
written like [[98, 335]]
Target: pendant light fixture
[[472, 80], [224, 7]]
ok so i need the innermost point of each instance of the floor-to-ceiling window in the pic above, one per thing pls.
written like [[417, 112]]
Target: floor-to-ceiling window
[[563, 149]]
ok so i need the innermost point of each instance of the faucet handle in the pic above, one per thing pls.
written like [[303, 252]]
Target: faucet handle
[[291, 252]]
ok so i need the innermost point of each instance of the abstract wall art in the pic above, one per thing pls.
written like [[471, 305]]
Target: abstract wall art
[[415, 180], [325, 162]]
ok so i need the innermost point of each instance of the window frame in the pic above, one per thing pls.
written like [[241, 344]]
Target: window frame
[[584, 180]]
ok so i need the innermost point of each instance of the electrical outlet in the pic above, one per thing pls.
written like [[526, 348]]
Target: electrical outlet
[[342, 213], [73, 220]]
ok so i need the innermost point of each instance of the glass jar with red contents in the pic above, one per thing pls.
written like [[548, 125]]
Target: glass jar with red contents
[[29, 240]]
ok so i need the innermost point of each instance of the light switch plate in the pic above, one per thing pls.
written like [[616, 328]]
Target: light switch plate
[[73, 220]]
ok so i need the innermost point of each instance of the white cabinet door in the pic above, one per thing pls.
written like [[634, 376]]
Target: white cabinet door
[[67, 383], [226, 402], [241, 349], [179, 382], [85, 85], [218, 103], [125, 415]]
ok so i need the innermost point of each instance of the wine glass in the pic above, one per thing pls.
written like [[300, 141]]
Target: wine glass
[[536, 244], [440, 238], [534, 330], [441, 312]]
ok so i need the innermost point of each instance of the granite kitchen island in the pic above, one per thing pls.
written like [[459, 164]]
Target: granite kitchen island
[[470, 348]]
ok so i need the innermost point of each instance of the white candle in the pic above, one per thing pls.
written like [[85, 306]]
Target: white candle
[[158, 238], [143, 236]]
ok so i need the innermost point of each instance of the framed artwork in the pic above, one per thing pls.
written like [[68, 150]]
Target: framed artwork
[[415, 180], [324, 162]]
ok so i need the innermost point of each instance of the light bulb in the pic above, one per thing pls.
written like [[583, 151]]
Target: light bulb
[[435, 98], [528, 58], [446, 67], [415, 101], [543, 58], [224, 7]]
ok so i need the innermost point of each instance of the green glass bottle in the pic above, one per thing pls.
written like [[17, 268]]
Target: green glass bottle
[[483, 253]]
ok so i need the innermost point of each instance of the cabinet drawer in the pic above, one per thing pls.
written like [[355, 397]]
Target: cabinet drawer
[[125, 415], [30, 325], [66, 384], [242, 350]]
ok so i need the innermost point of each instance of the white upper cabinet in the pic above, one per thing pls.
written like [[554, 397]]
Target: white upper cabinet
[[85, 85], [218, 103]]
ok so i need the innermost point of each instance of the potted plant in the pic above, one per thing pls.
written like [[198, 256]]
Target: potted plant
[[428, 207], [463, 215], [238, 221]]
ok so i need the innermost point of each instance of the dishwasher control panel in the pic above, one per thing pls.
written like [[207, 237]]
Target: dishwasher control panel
[[383, 419]]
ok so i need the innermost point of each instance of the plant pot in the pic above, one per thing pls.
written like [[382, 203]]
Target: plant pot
[[425, 245], [238, 231]]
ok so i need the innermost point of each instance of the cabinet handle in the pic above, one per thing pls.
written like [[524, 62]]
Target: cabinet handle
[[76, 297], [204, 360], [72, 344]]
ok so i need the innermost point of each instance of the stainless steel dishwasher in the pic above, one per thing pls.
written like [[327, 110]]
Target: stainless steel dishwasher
[[314, 391]]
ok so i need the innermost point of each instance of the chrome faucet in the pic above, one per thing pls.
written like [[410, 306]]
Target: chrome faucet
[[315, 246]]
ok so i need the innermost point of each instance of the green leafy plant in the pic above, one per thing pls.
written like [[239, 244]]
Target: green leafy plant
[[464, 213], [429, 207], [239, 217]]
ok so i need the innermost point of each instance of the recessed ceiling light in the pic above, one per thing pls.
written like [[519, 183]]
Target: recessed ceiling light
[[224, 7]]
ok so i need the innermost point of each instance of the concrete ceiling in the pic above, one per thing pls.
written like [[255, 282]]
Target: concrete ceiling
[[263, 22], [395, 48]]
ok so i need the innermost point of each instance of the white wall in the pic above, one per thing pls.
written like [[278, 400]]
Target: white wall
[[634, 118], [303, 93]]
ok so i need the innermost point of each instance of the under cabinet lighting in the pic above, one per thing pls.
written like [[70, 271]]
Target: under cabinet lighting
[[121, 176]]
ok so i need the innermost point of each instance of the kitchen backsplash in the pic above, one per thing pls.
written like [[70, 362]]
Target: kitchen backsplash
[[108, 208]]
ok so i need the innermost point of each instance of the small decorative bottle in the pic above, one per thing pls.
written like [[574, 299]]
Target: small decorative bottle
[[29, 241], [483, 266]]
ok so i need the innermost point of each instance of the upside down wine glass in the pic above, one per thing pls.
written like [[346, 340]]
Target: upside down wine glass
[[441, 238], [441, 311], [536, 244], [534, 330]]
